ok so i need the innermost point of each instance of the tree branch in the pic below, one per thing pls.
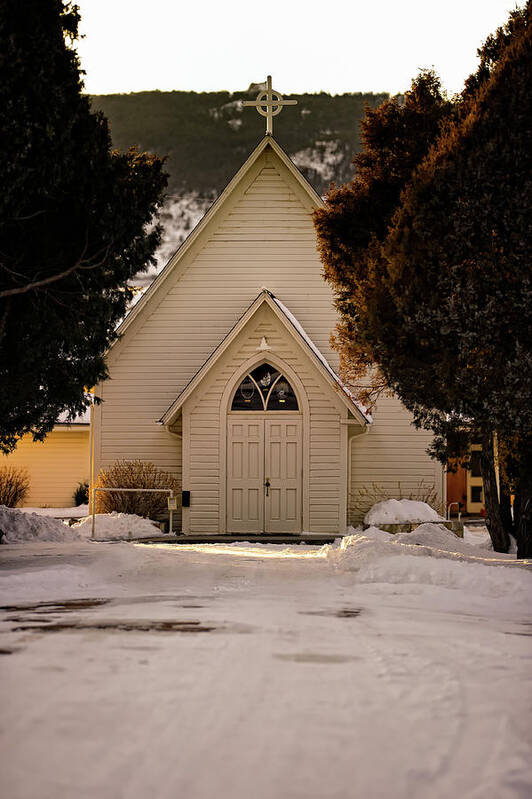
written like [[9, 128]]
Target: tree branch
[[46, 281], [3, 320]]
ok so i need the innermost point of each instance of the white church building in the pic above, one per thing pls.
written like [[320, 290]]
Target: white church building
[[224, 374]]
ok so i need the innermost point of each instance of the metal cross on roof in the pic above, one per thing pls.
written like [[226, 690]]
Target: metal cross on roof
[[269, 103]]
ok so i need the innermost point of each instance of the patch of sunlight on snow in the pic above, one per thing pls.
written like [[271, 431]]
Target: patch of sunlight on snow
[[427, 549], [246, 550]]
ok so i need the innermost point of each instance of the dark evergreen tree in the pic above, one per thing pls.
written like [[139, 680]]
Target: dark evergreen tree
[[438, 293], [460, 276], [355, 221], [74, 219]]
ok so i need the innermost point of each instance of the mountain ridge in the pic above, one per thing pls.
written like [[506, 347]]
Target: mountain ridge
[[207, 136]]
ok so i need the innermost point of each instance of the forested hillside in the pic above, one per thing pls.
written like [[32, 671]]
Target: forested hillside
[[207, 136]]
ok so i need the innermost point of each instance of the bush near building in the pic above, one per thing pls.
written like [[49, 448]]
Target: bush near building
[[134, 474], [14, 485]]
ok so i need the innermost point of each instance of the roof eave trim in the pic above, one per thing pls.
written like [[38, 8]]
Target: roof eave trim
[[266, 141], [354, 405], [265, 296], [171, 413], [71, 426]]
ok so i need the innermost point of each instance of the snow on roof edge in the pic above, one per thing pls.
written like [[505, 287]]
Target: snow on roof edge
[[82, 418], [347, 391], [305, 337]]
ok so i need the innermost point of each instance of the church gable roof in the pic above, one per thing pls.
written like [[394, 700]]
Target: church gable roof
[[296, 331], [306, 193]]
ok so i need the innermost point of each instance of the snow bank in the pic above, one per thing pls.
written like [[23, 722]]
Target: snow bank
[[431, 555], [114, 525], [436, 536], [18, 525], [479, 538], [432, 539], [472, 578], [76, 512], [401, 511], [374, 533]]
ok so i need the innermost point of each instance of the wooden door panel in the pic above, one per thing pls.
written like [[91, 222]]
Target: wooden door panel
[[274, 501], [283, 467], [237, 503], [275, 471], [291, 504], [245, 476], [255, 504], [237, 457], [256, 449], [292, 460]]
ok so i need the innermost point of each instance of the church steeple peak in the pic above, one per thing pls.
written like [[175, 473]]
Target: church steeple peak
[[269, 103]]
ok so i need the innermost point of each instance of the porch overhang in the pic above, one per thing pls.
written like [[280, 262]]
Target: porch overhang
[[296, 331]]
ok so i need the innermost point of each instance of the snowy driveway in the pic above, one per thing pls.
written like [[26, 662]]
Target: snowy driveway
[[239, 673]]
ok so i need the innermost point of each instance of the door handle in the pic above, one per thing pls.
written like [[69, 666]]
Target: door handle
[[267, 486]]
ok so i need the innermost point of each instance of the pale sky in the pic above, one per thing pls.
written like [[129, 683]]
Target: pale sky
[[307, 46]]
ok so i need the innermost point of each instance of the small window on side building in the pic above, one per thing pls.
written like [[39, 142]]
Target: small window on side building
[[476, 493]]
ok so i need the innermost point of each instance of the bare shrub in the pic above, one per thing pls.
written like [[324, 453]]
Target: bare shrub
[[364, 498], [14, 485], [134, 474]]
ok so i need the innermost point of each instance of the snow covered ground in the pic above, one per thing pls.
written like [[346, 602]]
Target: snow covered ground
[[260, 671], [76, 512], [22, 525]]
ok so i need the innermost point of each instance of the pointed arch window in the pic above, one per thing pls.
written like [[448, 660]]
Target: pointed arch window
[[264, 389]]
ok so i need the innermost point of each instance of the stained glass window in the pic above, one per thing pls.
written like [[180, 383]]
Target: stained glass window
[[264, 389]]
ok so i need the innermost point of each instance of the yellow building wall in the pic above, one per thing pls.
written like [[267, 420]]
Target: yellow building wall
[[390, 461], [56, 466]]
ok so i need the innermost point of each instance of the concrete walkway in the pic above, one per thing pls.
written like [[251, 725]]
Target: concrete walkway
[[316, 539]]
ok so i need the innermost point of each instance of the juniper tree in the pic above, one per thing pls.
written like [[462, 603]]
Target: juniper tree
[[459, 271], [433, 284], [356, 218], [74, 219]]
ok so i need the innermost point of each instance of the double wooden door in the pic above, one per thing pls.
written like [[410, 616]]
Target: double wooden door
[[264, 473]]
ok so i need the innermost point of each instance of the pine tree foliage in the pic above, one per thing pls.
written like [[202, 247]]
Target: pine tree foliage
[[438, 296], [356, 218], [458, 257], [74, 219], [459, 271]]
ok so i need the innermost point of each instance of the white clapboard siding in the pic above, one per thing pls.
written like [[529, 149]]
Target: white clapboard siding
[[392, 456], [325, 457], [199, 305], [261, 236]]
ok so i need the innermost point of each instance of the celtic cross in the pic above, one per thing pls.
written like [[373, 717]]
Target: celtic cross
[[269, 103]]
